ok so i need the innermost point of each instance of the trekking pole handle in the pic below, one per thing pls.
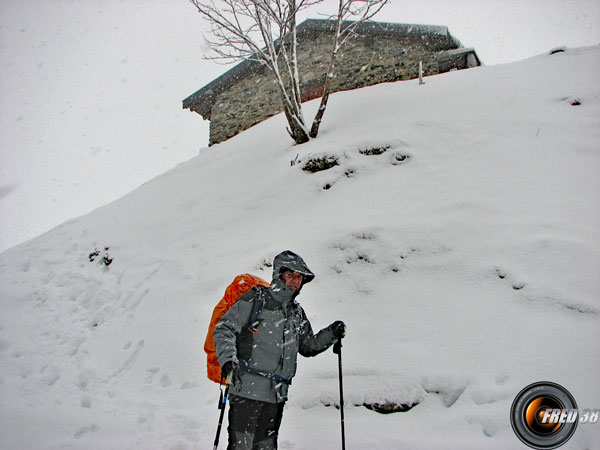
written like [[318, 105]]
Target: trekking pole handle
[[337, 347]]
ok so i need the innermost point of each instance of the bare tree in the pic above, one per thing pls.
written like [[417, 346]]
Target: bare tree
[[350, 14], [265, 31]]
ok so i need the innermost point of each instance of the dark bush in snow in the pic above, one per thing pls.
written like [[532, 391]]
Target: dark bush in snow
[[320, 163], [374, 150], [387, 408], [399, 158], [105, 260]]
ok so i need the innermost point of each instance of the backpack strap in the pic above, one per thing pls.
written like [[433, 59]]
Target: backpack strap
[[246, 337], [257, 305]]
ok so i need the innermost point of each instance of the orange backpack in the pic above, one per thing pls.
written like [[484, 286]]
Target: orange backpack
[[238, 287]]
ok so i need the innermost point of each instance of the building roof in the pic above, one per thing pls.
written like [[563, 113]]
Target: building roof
[[202, 100]]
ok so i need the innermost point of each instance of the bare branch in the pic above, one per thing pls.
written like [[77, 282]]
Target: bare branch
[[261, 30], [350, 14], [265, 31], [355, 12]]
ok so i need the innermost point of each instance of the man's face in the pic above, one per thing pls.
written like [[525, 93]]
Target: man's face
[[293, 280]]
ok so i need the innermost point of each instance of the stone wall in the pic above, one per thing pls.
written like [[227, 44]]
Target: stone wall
[[247, 103], [363, 61]]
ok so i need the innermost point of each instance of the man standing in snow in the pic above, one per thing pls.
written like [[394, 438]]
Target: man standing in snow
[[260, 359]]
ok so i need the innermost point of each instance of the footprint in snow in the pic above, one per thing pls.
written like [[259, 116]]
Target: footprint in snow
[[165, 381], [151, 372], [86, 401], [85, 430]]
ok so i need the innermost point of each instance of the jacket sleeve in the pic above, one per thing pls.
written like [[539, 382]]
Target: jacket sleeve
[[229, 327], [312, 344]]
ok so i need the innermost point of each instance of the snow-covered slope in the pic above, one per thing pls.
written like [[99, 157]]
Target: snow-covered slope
[[464, 259]]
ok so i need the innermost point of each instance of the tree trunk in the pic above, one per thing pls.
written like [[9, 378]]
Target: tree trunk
[[314, 129], [296, 131]]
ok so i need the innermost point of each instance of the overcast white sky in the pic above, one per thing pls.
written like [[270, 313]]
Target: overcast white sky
[[91, 90]]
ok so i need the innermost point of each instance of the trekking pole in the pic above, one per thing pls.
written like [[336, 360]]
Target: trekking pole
[[222, 404], [337, 349]]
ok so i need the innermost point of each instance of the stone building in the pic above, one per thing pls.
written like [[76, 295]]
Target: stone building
[[380, 52]]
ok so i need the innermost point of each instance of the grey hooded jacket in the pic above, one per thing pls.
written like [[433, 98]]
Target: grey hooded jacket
[[282, 332]]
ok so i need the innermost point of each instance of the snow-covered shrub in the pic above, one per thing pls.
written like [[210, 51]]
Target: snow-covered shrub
[[105, 260], [399, 158], [317, 164], [389, 407], [374, 150]]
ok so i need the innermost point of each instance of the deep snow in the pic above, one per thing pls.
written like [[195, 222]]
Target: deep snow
[[464, 260]]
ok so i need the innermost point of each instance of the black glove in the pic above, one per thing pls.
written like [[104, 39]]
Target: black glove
[[338, 328], [231, 373]]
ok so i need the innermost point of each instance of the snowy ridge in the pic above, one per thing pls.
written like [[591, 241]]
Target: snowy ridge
[[458, 237]]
